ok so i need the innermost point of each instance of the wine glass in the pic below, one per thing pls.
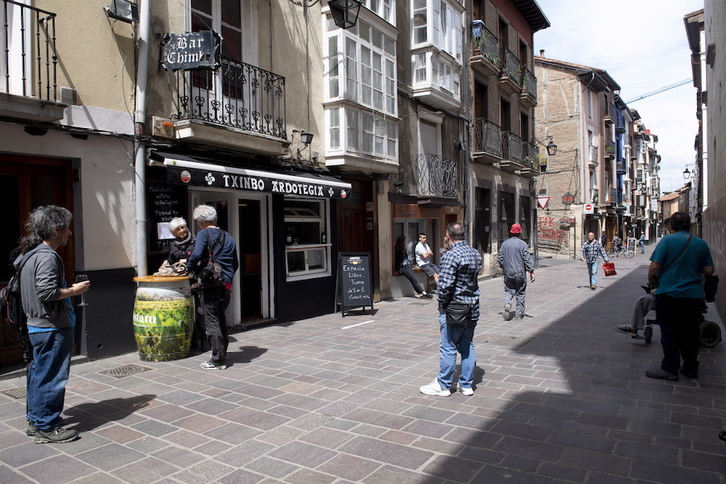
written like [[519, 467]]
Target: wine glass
[[82, 278]]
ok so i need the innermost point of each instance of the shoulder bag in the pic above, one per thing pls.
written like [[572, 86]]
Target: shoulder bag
[[212, 274]]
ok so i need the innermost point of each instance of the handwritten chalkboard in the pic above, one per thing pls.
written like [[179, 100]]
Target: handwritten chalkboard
[[164, 202], [354, 281]]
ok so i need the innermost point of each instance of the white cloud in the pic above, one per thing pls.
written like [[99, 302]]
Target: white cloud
[[643, 46]]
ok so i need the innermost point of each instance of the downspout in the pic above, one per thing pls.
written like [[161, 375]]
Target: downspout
[[142, 43]]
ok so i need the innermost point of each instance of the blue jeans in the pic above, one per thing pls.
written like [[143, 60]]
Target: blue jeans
[[455, 340], [47, 377], [592, 272]]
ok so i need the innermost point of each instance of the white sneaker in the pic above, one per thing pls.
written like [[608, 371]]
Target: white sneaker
[[465, 391], [434, 389]]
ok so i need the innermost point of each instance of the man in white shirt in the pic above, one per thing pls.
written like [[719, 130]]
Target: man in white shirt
[[423, 258]]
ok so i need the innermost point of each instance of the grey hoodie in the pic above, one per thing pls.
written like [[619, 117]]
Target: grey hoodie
[[40, 283]]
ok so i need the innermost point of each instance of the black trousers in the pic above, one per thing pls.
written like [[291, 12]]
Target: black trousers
[[679, 319], [214, 301]]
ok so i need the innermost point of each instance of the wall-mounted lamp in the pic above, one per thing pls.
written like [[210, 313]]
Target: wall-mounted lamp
[[345, 12], [306, 137], [551, 147], [687, 172]]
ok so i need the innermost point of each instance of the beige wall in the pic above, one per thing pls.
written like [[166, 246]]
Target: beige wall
[[714, 215], [95, 53]]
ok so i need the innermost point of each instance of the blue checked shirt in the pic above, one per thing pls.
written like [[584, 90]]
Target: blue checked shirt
[[459, 269], [591, 252]]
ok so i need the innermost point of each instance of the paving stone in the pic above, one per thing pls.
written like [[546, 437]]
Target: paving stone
[[59, 468], [386, 452]]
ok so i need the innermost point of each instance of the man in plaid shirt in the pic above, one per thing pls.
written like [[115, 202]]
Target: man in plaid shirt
[[459, 269], [590, 252]]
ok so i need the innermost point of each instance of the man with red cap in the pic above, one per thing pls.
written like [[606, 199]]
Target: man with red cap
[[515, 261]]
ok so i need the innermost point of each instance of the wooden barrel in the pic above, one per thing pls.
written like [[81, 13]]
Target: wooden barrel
[[163, 317]]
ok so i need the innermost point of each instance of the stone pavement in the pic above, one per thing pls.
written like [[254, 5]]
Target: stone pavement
[[560, 397]]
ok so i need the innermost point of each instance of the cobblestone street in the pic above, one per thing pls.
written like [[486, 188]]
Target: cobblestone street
[[560, 398]]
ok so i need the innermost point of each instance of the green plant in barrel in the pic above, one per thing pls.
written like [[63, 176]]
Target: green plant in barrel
[[163, 328]]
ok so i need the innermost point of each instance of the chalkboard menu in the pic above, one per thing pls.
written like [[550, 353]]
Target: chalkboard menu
[[163, 202], [354, 281]]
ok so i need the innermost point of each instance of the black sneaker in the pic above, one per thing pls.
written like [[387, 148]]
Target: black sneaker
[[31, 430], [722, 435], [626, 330], [55, 436], [661, 374]]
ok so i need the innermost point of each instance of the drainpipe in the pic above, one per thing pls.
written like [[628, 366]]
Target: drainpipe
[[142, 43]]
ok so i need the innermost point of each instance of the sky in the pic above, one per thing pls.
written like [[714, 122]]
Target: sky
[[643, 46]]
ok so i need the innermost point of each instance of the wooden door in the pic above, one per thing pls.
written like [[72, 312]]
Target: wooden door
[[27, 183]]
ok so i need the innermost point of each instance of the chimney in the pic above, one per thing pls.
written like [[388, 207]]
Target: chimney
[[541, 52]]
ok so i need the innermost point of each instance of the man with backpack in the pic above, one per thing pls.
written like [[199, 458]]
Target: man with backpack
[[50, 320]]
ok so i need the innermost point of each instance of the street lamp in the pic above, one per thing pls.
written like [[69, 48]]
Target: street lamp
[[686, 173], [344, 12], [551, 147]]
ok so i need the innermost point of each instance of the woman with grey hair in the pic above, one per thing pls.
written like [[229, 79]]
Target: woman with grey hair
[[183, 244], [215, 297]]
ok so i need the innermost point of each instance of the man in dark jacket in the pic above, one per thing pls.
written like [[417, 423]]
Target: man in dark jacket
[[214, 297], [515, 261], [46, 303]]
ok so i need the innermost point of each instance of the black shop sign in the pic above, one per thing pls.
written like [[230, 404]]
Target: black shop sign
[[191, 50]]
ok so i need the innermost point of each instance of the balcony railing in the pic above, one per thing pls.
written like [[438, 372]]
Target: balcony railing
[[529, 84], [484, 41], [593, 155], [437, 177], [28, 42], [511, 67], [610, 149], [487, 138], [237, 95], [512, 147]]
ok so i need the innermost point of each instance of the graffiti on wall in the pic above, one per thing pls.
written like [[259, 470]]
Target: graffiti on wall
[[553, 232]]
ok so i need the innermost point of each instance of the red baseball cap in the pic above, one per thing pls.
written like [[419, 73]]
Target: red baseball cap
[[516, 229]]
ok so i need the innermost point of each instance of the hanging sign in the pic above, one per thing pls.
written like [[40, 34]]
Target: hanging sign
[[588, 208], [542, 201], [191, 50]]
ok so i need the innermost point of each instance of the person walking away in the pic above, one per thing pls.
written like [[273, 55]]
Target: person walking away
[[641, 243], [51, 319], [458, 282], [679, 300], [514, 259], [604, 239], [590, 252], [214, 297], [403, 267], [424, 259]]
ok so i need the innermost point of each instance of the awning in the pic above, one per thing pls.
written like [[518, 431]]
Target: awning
[[182, 170]]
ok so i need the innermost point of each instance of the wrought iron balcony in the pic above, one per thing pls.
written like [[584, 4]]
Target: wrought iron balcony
[[487, 139], [437, 177], [237, 95], [529, 88], [511, 80], [30, 60], [609, 149], [593, 157], [486, 50], [512, 148], [608, 112]]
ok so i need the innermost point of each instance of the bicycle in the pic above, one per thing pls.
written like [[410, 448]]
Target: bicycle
[[619, 250]]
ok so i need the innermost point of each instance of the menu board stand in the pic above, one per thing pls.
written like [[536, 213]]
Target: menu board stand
[[353, 283]]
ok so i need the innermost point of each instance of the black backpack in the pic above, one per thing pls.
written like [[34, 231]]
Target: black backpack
[[11, 309]]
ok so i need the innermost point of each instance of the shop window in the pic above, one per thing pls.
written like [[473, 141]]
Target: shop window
[[307, 251]]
